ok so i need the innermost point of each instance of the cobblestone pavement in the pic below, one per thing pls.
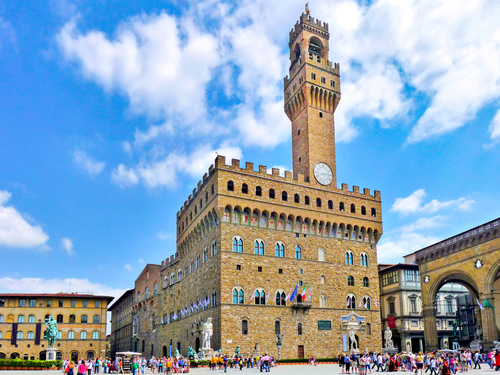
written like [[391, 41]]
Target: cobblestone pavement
[[280, 370]]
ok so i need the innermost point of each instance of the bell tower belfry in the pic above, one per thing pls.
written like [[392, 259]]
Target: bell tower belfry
[[312, 93]]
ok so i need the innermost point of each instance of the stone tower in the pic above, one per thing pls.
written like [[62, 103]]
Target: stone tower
[[312, 93]]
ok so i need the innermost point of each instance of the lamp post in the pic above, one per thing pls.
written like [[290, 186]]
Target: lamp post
[[278, 345]]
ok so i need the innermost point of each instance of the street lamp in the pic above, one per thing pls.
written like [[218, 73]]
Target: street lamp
[[278, 345]]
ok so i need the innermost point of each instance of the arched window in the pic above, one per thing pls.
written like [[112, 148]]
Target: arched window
[[321, 255], [96, 319], [363, 210], [30, 335], [350, 280], [172, 275], [366, 302], [323, 301], [307, 201], [349, 258], [146, 293], [364, 259], [351, 301], [318, 202], [244, 189], [138, 297], [20, 334], [330, 205], [1, 318], [298, 252], [84, 319], [31, 319], [237, 245], [284, 196], [272, 195], [205, 255], [296, 198], [280, 297], [366, 282], [1, 335], [213, 190], [214, 248], [155, 289], [323, 280], [280, 249], [83, 335], [341, 206], [230, 186], [353, 209], [259, 247], [59, 335], [238, 295], [277, 327], [244, 327], [374, 212], [299, 329], [260, 297], [95, 335], [71, 335], [20, 319], [258, 191], [72, 318]]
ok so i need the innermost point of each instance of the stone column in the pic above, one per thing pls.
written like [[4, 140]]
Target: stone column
[[420, 345], [430, 329], [488, 322]]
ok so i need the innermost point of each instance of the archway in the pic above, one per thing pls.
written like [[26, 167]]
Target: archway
[[90, 355], [197, 344], [74, 356], [165, 354], [3, 356], [14, 356], [450, 300], [59, 356], [42, 356]]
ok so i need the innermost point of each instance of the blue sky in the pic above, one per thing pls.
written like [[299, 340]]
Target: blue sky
[[110, 113]]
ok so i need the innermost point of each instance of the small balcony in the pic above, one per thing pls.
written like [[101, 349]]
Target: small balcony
[[301, 305]]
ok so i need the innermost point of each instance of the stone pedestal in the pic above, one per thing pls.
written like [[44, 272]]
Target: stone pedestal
[[207, 353], [50, 354]]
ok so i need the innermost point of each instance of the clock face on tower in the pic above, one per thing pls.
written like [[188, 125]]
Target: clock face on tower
[[323, 173]]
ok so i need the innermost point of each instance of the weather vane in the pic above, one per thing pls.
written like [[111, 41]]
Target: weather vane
[[307, 8]]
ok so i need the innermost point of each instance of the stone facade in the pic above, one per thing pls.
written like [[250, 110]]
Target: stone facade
[[248, 231], [471, 259], [121, 323], [81, 323]]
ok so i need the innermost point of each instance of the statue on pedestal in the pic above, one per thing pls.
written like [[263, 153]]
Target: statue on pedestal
[[51, 332], [388, 339], [354, 342], [207, 333]]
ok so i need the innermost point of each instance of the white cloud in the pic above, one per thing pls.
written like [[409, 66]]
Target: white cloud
[[4, 197], [92, 166], [39, 285], [494, 128], [123, 176], [165, 171], [7, 32], [390, 249], [128, 267], [414, 204], [164, 235], [161, 64], [67, 245], [15, 231]]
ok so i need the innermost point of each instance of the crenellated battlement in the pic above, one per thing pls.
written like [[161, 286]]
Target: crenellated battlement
[[170, 261], [306, 22]]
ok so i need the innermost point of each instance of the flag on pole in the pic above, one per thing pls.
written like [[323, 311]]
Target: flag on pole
[[175, 316], [200, 304], [359, 305], [274, 299], [294, 294], [311, 292], [191, 307], [251, 296], [479, 304], [348, 302], [267, 297], [182, 313], [487, 304], [162, 321], [287, 297], [375, 302], [304, 292], [168, 319]]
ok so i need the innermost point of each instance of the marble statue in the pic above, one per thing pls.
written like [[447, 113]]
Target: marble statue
[[51, 332], [207, 333], [388, 338], [237, 351], [354, 342]]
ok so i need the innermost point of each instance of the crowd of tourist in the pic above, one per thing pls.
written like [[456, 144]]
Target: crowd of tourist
[[444, 362]]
